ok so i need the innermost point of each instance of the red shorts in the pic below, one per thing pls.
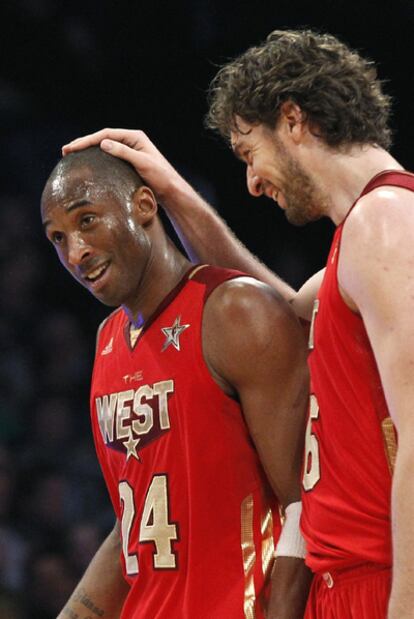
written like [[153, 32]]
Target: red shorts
[[360, 593]]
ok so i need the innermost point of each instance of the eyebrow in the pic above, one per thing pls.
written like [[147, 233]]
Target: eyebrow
[[76, 204]]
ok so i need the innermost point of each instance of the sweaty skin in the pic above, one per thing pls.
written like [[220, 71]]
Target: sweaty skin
[[375, 269], [101, 240], [183, 205]]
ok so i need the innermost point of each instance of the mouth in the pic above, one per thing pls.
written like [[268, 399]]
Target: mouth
[[274, 195], [95, 276], [271, 192], [279, 198]]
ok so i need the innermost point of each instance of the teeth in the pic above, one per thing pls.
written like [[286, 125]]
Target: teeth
[[96, 273]]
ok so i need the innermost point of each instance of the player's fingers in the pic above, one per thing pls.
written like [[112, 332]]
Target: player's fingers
[[133, 138], [85, 141], [117, 149]]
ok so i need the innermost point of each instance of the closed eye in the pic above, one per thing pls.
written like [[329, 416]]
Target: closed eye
[[247, 156], [243, 155]]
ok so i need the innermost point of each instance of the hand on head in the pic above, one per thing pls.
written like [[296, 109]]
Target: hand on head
[[135, 147]]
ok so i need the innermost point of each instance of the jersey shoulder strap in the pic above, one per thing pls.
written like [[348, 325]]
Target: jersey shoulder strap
[[395, 178], [211, 277]]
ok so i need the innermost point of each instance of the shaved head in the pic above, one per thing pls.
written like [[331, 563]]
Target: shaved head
[[107, 173], [102, 221]]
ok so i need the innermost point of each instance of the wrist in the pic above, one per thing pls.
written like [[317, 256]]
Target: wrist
[[291, 542], [178, 193]]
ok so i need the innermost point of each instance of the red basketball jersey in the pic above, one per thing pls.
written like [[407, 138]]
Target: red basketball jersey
[[198, 518], [351, 441]]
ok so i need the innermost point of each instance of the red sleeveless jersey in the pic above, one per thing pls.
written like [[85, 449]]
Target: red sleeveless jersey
[[351, 441], [198, 518]]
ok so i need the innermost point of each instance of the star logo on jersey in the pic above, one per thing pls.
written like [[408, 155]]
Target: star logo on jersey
[[131, 447], [173, 334]]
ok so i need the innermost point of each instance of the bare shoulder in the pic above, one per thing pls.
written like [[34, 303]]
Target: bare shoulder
[[377, 242], [247, 301], [382, 213], [248, 328]]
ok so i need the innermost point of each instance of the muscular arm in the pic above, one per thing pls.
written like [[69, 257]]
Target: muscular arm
[[376, 273], [102, 590], [255, 348]]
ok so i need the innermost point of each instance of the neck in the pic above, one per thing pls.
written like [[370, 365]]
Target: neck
[[164, 269], [343, 176]]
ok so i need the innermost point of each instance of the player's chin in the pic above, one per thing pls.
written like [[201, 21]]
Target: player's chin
[[107, 291], [107, 299], [104, 295], [300, 216]]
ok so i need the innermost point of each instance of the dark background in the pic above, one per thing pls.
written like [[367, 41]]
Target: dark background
[[67, 68]]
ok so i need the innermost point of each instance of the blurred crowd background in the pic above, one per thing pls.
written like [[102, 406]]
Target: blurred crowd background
[[67, 68]]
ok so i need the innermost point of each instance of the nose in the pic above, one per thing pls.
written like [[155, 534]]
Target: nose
[[254, 183], [78, 250]]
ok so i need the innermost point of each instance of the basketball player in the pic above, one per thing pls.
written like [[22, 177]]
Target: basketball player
[[198, 405], [308, 117]]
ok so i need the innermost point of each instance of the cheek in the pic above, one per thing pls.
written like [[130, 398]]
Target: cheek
[[133, 228], [264, 166], [132, 251], [61, 254]]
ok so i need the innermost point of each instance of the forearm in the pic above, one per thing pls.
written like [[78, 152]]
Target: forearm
[[291, 581], [402, 595], [102, 590], [207, 238]]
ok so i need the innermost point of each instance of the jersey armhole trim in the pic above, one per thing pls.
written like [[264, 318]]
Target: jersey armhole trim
[[101, 326]]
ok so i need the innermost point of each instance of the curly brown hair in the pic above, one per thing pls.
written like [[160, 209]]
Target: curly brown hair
[[336, 89]]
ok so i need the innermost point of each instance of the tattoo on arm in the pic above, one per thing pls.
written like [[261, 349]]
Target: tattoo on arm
[[81, 597], [70, 613]]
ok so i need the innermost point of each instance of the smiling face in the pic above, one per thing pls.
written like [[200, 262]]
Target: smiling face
[[98, 234], [273, 170]]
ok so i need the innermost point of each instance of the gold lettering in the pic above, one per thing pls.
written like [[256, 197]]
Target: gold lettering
[[105, 408], [123, 411], [143, 425], [122, 404], [162, 389]]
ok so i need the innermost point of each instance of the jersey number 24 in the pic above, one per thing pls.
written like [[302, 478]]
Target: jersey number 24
[[154, 527]]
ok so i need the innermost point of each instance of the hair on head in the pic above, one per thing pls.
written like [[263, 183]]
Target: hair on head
[[337, 90]]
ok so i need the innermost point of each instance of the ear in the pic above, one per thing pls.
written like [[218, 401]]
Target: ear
[[292, 119], [145, 205]]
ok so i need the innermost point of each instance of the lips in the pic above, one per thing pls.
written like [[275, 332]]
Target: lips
[[276, 195], [271, 192], [95, 274]]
